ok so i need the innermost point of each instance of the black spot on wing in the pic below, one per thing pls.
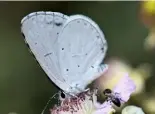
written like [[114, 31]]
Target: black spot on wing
[[102, 49], [47, 54], [58, 24]]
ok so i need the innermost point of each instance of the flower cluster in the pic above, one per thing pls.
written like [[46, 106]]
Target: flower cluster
[[86, 102], [83, 103]]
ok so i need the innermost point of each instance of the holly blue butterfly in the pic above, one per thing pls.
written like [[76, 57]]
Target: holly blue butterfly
[[70, 49]]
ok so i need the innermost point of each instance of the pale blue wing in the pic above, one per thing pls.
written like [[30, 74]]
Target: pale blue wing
[[82, 47], [41, 30]]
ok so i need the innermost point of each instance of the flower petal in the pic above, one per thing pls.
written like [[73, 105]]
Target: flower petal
[[125, 87], [105, 108]]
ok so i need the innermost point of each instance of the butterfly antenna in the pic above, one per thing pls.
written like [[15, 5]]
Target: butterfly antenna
[[48, 103]]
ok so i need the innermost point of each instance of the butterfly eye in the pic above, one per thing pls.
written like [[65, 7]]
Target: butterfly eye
[[62, 95]]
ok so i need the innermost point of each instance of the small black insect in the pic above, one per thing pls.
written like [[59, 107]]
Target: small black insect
[[112, 97]]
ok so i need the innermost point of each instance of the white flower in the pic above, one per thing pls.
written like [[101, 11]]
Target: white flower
[[132, 110]]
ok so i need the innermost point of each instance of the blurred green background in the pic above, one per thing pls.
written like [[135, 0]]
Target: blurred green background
[[24, 87]]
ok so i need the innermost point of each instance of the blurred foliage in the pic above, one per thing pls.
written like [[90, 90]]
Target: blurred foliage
[[25, 88]]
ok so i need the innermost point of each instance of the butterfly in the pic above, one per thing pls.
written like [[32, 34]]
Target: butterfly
[[70, 49]]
